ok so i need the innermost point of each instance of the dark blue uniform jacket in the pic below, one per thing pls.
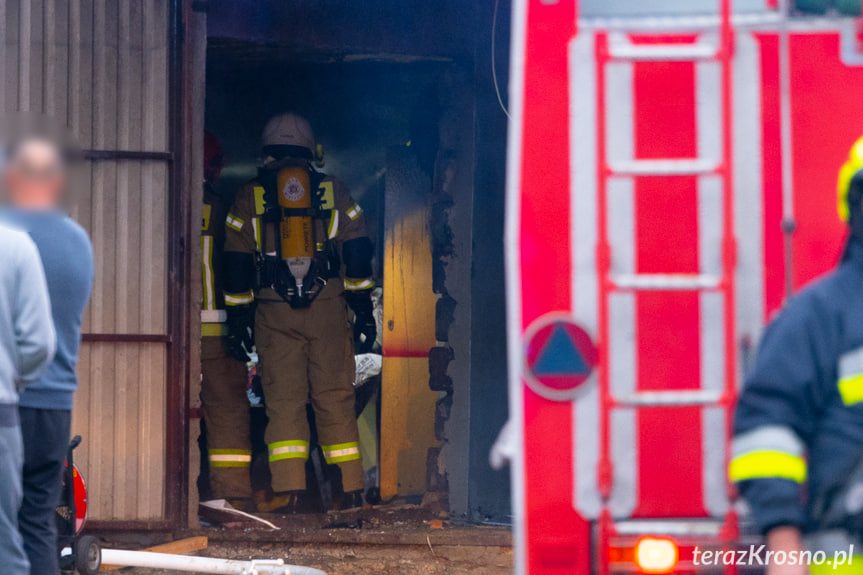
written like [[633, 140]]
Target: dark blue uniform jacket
[[798, 428]]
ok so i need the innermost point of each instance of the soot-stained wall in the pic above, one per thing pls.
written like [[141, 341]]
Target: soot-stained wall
[[489, 495]]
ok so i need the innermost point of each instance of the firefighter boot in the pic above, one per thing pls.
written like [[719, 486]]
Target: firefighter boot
[[289, 503], [352, 500]]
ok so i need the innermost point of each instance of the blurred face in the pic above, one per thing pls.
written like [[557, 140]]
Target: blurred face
[[35, 176]]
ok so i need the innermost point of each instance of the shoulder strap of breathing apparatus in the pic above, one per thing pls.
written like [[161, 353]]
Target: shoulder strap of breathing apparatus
[[295, 268]]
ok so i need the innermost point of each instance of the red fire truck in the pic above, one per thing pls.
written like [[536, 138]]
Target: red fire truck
[[671, 181]]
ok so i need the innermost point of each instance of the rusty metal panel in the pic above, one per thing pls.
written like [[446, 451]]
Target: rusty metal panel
[[101, 68]]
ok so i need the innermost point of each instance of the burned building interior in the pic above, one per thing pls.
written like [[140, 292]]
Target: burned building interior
[[402, 98]]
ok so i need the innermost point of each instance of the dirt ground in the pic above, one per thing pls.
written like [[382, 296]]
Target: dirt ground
[[388, 540]]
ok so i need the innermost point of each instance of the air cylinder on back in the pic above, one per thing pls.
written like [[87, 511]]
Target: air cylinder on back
[[295, 229]]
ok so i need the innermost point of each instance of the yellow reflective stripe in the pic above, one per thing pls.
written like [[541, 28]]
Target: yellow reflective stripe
[[256, 227], [260, 205], [767, 464], [289, 443], [333, 230], [354, 211], [851, 389], [293, 449], [214, 329], [230, 457], [234, 222], [209, 302], [341, 459], [341, 452], [207, 213], [850, 371], [347, 445], [320, 246], [240, 298], [327, 197], [229, 464], [355, 285]]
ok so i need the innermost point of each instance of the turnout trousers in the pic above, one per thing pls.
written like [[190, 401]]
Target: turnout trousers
[[308, 354], [226, 412]]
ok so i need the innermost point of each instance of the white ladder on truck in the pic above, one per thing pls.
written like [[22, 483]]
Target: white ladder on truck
[[611, 47]]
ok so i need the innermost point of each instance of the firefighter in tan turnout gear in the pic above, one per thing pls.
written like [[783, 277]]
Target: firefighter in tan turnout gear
[[297, 253], [223, 394]]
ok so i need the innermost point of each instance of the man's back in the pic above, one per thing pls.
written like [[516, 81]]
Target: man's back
[[26, 335], [26, 349], [34, 181], [67, 257]]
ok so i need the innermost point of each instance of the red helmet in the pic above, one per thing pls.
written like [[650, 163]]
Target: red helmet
[[214, 161]]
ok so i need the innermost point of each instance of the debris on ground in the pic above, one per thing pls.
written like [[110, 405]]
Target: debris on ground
[[398, 539]]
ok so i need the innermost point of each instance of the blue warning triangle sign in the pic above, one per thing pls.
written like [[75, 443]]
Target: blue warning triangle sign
[[559, 356]]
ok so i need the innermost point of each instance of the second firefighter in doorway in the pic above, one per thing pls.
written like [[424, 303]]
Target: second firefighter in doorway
[[296, 248], [223, 378]]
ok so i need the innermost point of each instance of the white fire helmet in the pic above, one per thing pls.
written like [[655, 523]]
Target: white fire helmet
[[289, 130]]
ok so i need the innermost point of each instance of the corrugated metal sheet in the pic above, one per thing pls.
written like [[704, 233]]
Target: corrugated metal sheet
[[100, 66]]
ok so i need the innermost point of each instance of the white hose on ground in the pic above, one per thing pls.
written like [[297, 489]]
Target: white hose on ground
[[121, 557]]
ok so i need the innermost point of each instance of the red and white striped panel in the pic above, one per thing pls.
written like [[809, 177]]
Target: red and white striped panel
[[669, 462]]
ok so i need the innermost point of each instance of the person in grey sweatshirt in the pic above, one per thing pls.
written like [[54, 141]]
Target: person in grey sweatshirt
[[35, 183], [27, 344]]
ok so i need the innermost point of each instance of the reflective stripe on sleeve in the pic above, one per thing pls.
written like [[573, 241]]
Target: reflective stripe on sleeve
[[256, 227], [341, 452], [357, 285], [767, 465], [240, 298], [333, 230], [851, 389], [230, 457], [771, 451], [234, 222], [768, 438], [292, 449], [851, 376], [354, 211]]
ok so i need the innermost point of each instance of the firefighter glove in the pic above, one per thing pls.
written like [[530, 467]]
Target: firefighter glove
[[241, 341], [365, 328]]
